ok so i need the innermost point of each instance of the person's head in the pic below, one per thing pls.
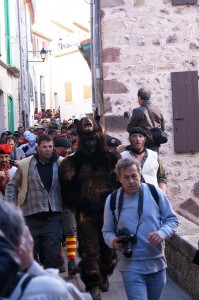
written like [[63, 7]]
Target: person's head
[[39, 130], [52, 132], [143, 94], [137, 138], [26, 134], [113, 143], [12, 226], [11, 141], [11, 222], [21, 130], [5, 151], [129, 174], [4, 134], [52, 121], [71, 134], [31, 129], [45, 147], [62, 146], [32, 139], [64, 129]]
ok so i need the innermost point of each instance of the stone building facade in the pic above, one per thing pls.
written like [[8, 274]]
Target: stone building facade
[[143, 42]]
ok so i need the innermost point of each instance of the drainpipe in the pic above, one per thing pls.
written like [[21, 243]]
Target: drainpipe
[[92, 56], [27, 75], [98, 75], [21, 66]]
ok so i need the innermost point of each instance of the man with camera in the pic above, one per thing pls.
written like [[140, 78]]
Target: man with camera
[[136, 227]]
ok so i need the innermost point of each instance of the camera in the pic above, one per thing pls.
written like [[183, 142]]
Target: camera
[[127, 239], [127, 115], [12, 162]]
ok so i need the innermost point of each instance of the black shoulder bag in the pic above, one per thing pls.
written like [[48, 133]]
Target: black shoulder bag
[[159, 136]]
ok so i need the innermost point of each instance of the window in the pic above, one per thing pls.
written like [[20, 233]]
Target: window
[[184, 2], [68, 92], [87, 91], [185, 111]]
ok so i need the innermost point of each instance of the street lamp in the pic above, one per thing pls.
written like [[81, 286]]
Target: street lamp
[[43, 54]]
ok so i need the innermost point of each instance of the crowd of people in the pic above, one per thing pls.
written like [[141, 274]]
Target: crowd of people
[[76, 187]]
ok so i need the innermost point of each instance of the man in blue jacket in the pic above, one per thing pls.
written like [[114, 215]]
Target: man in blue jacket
[[137, 228]]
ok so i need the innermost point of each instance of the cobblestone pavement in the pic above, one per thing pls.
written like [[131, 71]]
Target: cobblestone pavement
[[116, 291]]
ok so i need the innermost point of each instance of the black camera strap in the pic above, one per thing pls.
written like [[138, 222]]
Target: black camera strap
[[140, 206]]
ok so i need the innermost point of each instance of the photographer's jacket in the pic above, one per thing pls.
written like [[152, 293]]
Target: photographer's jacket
[[155, 217]]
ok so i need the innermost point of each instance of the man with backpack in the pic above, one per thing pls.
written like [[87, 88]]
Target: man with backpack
[[136, 225]]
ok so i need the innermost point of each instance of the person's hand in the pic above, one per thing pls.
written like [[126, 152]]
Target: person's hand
[[16, 162], [154, 238], [117, 243], [2, 174], [26, 249], [6, 178]]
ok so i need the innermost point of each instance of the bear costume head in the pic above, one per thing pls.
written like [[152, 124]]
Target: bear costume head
[[91, 138]]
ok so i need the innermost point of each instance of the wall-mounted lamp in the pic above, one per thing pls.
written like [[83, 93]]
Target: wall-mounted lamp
[[43, 54]]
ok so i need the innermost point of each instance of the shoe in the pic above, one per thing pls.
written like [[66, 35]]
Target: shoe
[[95, 293], [72, 268], [61, 265], [104, 286]]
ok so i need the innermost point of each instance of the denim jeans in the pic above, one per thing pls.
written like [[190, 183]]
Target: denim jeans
[[144, 286]]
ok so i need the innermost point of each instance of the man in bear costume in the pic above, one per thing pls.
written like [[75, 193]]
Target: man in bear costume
[[87, 178]]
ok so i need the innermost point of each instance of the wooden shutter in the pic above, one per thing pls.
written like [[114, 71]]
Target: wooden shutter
[[87, 91], [184, 2], [185, 111], [68, 92]]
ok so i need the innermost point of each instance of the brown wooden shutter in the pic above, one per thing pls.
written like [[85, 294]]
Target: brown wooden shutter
[[185, 111], [184, 2]]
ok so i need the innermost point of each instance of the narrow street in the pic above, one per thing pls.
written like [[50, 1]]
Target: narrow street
[[116, 291]]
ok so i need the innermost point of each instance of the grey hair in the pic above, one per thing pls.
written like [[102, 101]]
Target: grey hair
[[144, 93], [11, 222], [125, 163]]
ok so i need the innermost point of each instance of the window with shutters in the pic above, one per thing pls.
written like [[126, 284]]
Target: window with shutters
[[68, 92], [184, 2], [185, 111], [87, 92]]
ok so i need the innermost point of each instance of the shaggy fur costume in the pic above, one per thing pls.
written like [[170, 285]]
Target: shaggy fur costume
[[86, 180]]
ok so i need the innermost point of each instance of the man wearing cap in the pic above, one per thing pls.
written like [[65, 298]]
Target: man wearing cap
[[39, 130], [112, 143], [63, 148], [6, 170], [152, 169], [141, 118]]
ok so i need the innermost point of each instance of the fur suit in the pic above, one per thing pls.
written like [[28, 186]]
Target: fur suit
[[87, 178]]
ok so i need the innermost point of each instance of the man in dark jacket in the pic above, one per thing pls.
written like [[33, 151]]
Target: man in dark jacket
[[141, 118]]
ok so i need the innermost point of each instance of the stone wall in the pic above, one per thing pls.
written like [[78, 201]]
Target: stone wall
[[143, 41], [180, 250]]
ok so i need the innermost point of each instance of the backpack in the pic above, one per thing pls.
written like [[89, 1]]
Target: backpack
[[153, 191]]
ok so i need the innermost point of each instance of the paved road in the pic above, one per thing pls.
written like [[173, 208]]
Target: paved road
[[116, 291]]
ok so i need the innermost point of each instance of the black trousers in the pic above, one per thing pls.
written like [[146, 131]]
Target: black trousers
[[46, 230]]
